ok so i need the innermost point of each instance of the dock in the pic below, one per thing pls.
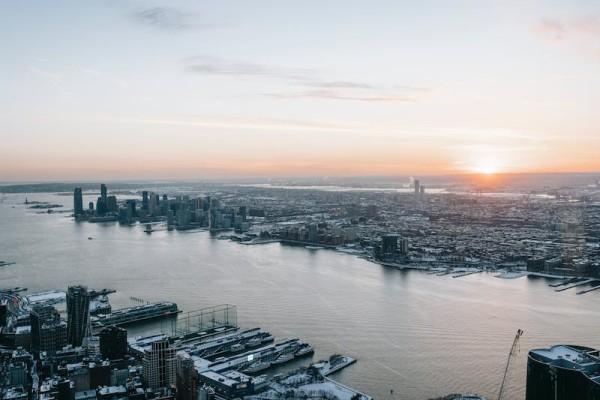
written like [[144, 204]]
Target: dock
[[580, 283], [588, 290], [13, 290], [100, 292], [135, 314], [565, 282], [465, 273]]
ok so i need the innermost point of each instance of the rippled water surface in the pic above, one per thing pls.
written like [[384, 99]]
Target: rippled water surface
[[420, 335]]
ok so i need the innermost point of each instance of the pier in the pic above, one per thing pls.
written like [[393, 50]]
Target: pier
[[589, 290], [581, 283], [465, 273], [134, 314], [566, 282]]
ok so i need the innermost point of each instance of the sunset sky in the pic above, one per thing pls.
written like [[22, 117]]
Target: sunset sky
[[157, 90]]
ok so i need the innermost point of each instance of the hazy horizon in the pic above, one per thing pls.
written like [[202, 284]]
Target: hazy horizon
[[220, 90]]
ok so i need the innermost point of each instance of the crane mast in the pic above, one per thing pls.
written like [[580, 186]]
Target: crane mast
[[513, 350]]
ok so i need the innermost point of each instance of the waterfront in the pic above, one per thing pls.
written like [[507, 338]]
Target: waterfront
[[418, 334]]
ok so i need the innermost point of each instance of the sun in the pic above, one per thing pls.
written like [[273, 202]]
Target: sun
[[486, 167]]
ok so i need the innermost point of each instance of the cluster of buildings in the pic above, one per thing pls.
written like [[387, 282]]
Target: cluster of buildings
[[82, 354], [181, 212], [555, 232]]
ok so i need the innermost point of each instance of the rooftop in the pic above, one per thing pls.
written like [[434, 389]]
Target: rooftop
[[584, 359]]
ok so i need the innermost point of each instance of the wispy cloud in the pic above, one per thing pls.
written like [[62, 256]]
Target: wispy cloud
[[563, 29], [316, 86], [217, 66], [341, 95], [551, 29], [165, 18], [582, 32]]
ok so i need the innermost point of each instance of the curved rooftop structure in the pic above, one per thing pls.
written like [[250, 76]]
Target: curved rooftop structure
[[563, 372]]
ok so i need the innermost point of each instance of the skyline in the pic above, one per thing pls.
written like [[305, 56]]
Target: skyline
[[108, 89]]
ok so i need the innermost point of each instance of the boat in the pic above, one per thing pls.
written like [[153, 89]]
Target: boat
[[267, 339], [90, 238], [257, 367], [283, 358], [237, 347], [305, 350], [254, 342]]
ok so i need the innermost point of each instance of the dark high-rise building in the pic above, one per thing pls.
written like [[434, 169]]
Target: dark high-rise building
[[103, 193], [243, 212], [111, 204], [563, 373], [78, 314], [313, 232], [145, 200], [65, 390], [131, 213], [77, 201], [100, 206], [187, 378], [389, 244], [113, 343], [99, 374], [3, 314], [48, 331]]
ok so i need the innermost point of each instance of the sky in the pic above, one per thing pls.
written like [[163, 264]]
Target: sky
[[209, 89]]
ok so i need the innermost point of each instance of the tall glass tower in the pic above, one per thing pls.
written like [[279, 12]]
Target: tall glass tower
[[78, 314]]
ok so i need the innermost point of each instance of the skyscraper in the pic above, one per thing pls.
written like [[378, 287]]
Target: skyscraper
[[187, 378], [160, 365], [145, 200], [111, 204], [77, 201], [78, 314], [417, 187], [103, 193]]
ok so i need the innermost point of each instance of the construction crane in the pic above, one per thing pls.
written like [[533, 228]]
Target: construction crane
[[513, 350]]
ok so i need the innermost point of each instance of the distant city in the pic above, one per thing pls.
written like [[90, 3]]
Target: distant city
[[83, 351], [555, 233]]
